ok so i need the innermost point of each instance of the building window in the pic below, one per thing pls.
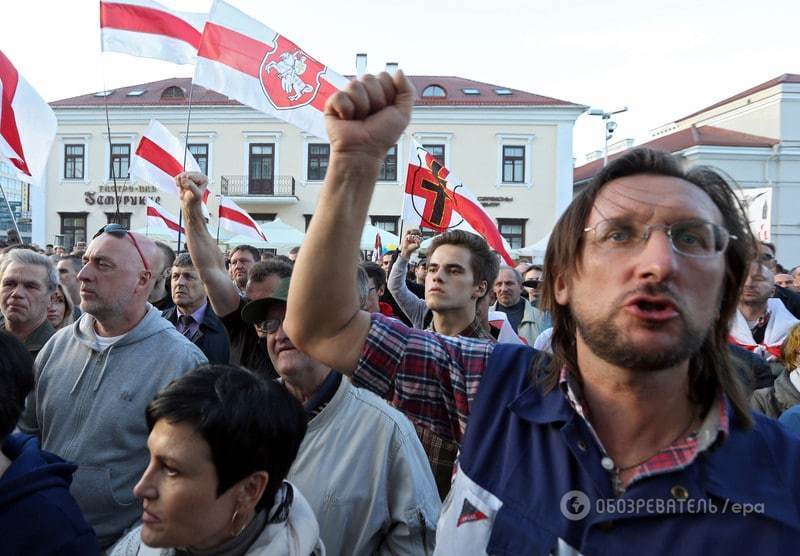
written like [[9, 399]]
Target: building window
[[388, 171], [263, 217], [427, 233], [73, 228], [172, 92], [200, 153], [318, 155], [437, 152], [388, 223], [120, 160], [513, 229], [73, 162], [124, 219], [261, 179], [513, 164], [307, 218], [434, 91]]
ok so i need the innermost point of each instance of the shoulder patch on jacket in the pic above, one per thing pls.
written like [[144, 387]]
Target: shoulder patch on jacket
[[469, 513]]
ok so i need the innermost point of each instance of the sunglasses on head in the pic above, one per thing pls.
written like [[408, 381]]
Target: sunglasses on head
[[117, 230]]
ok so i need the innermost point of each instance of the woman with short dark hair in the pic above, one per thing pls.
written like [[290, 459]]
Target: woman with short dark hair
[[221, 443]]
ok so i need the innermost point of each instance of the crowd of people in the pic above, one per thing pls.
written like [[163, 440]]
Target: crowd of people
[[638, 391]]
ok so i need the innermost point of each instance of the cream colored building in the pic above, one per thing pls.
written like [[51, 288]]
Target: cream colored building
[[754, 137], [513, 149]]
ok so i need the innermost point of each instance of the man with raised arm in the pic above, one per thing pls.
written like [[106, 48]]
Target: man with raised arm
[[222, 287], [636, 434]]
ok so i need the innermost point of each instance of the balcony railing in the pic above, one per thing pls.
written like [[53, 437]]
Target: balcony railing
[[244, 186]]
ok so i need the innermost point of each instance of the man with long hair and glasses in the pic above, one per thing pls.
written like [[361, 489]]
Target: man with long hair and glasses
[[95, 378], [636, 436]]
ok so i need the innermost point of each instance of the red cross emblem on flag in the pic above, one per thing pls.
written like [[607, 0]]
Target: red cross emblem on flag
[[430, 183], [289, 77]]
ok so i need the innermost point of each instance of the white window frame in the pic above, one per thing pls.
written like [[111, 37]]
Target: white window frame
[[445, 139], [203, 137], [118, 139], [309, 139], [251, 137], [73, 139], [515, 140]]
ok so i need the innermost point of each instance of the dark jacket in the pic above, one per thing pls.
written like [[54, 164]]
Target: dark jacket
[[211, 337], [790, 299], [36, 339], [38, 515], [247, 349], [777, 398], [754, 369]]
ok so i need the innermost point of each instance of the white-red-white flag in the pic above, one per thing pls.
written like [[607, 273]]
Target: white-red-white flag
[[249, 62], [436, 199], [377, 252], [235, 219], [27, 124], [159, 158], [506, 335], [159, 217], [148, 29]]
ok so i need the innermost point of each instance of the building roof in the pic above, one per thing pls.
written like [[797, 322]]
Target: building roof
[[785, 78], [454, 88], [690, 137]]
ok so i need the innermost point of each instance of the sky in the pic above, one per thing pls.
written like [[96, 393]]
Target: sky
[[663, 60]]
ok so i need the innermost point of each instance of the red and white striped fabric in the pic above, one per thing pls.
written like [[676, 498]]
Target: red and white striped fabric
[[159, 158], [235, 219], [247, 61], [27, 124], [159, 217], [436, 199], [781, 321], [148, 29]]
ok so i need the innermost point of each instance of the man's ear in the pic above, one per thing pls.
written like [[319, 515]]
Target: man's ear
[[381, 291], [480, 289], [561, 289]]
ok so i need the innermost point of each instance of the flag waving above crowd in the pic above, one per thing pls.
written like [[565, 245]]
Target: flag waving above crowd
[[159, 217], [235, 219], [157, 160], [436, 199], [27, 124], [148, 29], [249, 62]]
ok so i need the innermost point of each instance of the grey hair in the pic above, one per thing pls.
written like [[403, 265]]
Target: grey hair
[[28, 257], [516, 272], [362, 284]]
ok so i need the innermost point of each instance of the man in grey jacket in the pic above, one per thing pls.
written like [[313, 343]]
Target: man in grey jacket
[[525, 319], [95, 378]]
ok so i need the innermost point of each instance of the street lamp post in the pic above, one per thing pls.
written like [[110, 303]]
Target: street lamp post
[[610, 126]]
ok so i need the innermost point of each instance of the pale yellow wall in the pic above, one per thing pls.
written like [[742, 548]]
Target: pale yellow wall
[[472, 156]]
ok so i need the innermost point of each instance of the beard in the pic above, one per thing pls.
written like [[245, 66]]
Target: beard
[[608, 342]]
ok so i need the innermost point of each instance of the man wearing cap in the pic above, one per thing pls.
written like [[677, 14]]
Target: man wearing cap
[[222, 285], [95, 378], [371, 488]]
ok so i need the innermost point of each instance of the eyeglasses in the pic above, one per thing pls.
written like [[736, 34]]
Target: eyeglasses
[[270, 326], [533, 284], [117, 230], [694, 238]]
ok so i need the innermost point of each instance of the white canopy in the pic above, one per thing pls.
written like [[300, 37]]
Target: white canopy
[[280, 234], [535, 250], [368, 238]]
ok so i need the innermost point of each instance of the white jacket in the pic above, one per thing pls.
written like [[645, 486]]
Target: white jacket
[[297, 536], [365, 475]]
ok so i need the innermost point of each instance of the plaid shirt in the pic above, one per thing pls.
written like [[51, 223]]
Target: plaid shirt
[[473, 330], [678, 455], [431, 378]]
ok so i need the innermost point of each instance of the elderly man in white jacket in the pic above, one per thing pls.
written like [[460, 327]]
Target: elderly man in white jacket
[[360, 465]]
